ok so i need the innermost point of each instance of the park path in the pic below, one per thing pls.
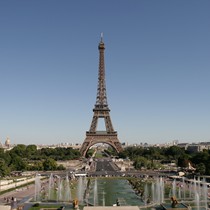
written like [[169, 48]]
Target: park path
[[22, 195]]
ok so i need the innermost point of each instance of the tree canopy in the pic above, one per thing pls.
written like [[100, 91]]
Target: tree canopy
[[22, 157], [149, 157]]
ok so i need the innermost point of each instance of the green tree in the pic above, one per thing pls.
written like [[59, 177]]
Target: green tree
[[31, 151], [49, 164], [46, 152], [174, 152], [4, 169], [17, 163], [141, 162], [19, 150], [61, 167], [5, 156], [183, 161], [200, 157], [90, 153], [201, 168], [208, 168], [153, 153], [35, 166]]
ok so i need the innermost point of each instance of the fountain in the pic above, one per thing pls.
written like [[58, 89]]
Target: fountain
[[179, 192], [60, 189], [174, 205], [51, 188], [197, 191], [184, 188], [146, 194], [67, 190], [57, 190], [103, 199], [153, 191], [95, 193], [174, 187], [106, 191], [197, 200], [81, 189], [205, 193], [37, 188], [159, 191]]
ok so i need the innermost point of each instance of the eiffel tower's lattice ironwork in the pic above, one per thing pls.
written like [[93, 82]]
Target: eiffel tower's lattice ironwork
[[101, 110]]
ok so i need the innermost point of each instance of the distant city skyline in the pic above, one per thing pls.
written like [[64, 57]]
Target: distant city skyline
[[157, 69]]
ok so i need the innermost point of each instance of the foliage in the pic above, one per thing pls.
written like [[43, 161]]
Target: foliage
[[60, 153], [17, 163], [49, 164], [110, 151], [89, 153], [5, 156], [19, 150], [201, 168], [4, 169], [142, 162], [22, 157], [174, 153], [152, 157]]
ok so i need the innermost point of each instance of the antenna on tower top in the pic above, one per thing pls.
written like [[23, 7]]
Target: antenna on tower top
[[101, 36]]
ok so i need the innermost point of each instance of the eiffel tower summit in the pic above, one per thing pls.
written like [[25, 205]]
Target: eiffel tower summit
[[101, 110]]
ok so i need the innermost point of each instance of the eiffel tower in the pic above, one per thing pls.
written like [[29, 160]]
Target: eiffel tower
[[101, 110]]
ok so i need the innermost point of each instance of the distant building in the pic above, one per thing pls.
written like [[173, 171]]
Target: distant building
[[194, 148], [183, 145], [175, 142], [206, 145], [7, 143]]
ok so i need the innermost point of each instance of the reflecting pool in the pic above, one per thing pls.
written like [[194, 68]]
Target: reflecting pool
[[108, 192]]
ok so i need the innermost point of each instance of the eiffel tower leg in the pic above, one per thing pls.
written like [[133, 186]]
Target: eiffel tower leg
[[85, 146]]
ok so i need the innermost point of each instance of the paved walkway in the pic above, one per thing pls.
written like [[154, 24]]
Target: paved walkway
[[21, 194]]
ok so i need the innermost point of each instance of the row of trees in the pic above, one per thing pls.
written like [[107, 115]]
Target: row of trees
[[23, 157], [154, 157]]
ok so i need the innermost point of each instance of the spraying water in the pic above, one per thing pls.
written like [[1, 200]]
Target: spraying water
[[51, 187], [174, 187], [95, 193], [67, 194], [146, 194], [37, 188], [80, 190]]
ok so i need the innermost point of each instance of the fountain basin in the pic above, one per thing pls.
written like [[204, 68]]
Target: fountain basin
[[109, 190], [179, 206]]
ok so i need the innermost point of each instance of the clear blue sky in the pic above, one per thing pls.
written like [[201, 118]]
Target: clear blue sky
[[157, 69]]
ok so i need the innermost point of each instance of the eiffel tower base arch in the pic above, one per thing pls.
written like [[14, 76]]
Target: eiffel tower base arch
[[91, 139]]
